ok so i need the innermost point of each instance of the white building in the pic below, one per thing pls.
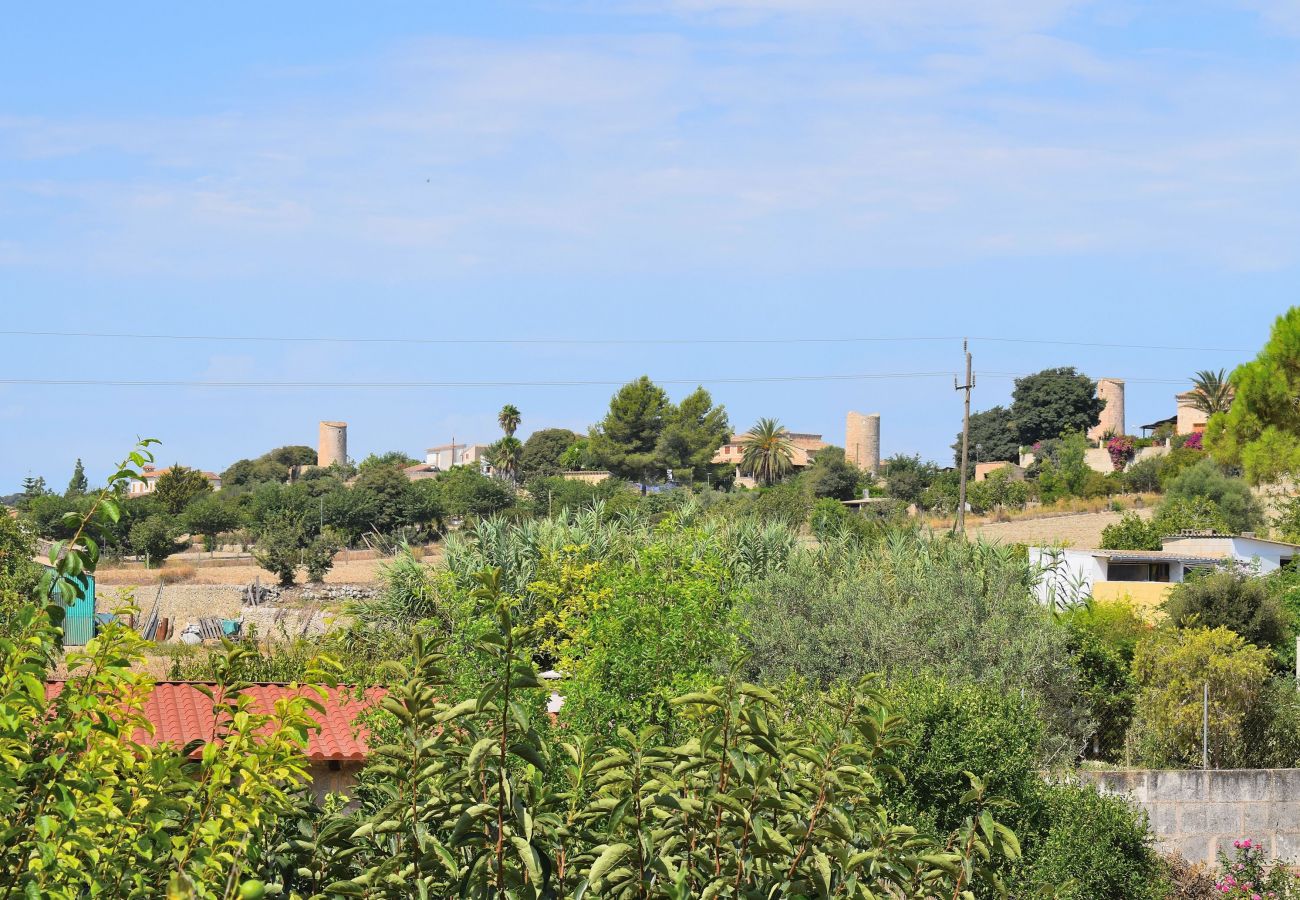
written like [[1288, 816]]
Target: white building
[[1145, 576], [444, 457], [151, 476]]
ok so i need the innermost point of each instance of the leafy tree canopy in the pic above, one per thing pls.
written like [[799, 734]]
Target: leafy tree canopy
[[907, 477], [625, 441], [993, 431], [543, 452], [393, 459], [77, 485], [1261, 430], [1054, 402], [693, 432], [271, 466], [831, 475], [1232, 496], [178, 486]]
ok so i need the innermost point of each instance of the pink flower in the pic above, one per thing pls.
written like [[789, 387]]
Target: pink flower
[[1246, 844]]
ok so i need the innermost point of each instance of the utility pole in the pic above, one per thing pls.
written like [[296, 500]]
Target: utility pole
[[965, 440]]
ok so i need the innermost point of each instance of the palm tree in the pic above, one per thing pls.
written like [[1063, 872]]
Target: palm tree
[[504, 456], [509, 419], [766, 451], [1211, 391]]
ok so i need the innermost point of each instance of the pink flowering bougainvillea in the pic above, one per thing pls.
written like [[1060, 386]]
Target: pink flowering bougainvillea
[[1121, 451], [1193, 441], [1246, 876]]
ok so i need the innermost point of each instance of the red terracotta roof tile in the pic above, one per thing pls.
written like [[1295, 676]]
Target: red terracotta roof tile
[[181, 713]]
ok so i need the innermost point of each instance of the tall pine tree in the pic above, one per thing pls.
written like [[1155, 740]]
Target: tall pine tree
[[78, 484]]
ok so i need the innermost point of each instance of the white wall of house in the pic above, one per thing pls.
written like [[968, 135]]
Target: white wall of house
[[1269, 556], [1064, 572]]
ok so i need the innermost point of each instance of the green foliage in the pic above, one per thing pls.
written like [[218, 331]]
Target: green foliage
[[72, 768], [1174, 514], [1106, 685], [77, 484], [509, 419], [465, 491], [392, 459], [178, 486], [1054, 402], [1171, 667], [625, 441], [210, 515], [1233, 600], [154, 538], [1144, 476], [1232, 496], [543, 453], [994, 432], [693, 431], [19, 576], [273, 466], [1093, 847], [504, 456], [831, 475], [961, 610], [477, 800], [998, 490], [664, 628], [1062, 470], [766, 452], [318, 555], [281, 543], [1261, 430], [907, 478]]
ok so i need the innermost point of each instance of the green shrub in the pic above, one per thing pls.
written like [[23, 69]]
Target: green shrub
[[1238, 602], [1093, 847], [154, 538], [1143, 476], [1230, 495], [1171, 668]]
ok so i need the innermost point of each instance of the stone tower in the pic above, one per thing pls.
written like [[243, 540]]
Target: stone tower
[[1112, 414], [333, 447], [862, 441]]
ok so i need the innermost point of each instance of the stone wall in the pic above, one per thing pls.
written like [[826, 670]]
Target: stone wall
[[1200, 813]]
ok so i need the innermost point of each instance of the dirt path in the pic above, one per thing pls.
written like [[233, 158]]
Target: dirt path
[[1074, 530]]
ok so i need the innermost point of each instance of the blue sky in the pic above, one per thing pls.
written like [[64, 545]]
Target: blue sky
[[1093, 172]]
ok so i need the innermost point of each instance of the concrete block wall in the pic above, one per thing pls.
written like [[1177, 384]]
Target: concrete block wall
[[1200, 813]]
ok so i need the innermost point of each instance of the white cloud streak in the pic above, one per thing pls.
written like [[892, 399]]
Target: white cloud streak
[[666, 151]]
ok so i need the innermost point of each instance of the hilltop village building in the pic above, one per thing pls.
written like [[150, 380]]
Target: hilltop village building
[[151, 476]]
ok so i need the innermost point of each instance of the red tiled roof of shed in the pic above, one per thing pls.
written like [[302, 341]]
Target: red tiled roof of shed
[[181, 713]]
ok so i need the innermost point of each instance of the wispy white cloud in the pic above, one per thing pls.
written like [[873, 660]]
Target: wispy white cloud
[[636, 153]]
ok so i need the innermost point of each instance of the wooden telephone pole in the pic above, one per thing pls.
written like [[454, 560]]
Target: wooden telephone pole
[[965, 440]]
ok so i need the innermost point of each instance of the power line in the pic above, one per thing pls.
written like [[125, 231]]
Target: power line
[[450, 341], [341, 385]]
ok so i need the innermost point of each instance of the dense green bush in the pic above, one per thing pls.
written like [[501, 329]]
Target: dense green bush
[[1239, 602], [1091, 847], [1230, 495], [908, 604], [1171, 668]]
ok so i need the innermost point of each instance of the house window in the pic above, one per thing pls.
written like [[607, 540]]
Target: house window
[[1138, 572]]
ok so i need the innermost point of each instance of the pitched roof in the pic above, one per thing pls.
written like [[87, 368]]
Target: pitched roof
[[181, 713]]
